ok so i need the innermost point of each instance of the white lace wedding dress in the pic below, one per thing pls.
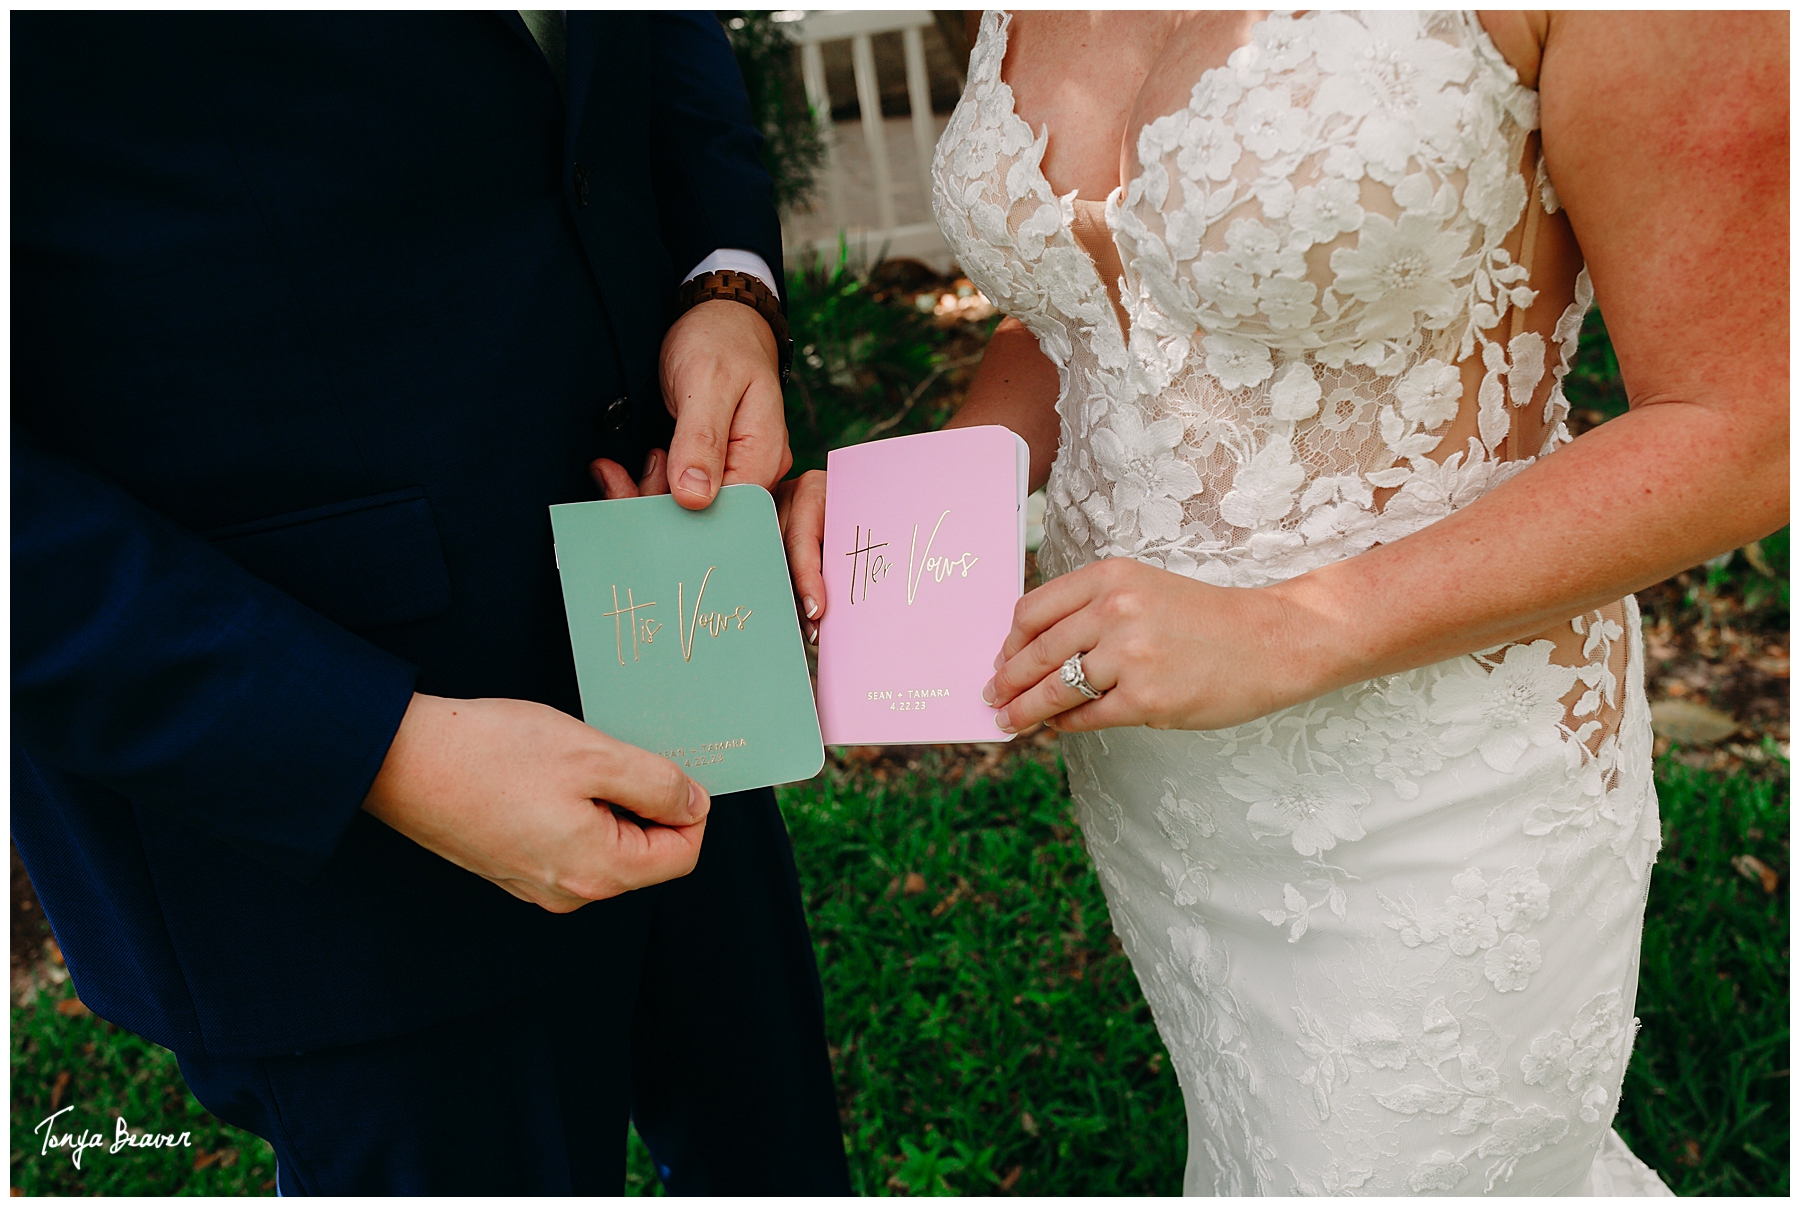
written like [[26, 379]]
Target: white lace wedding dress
[[1390, 936]]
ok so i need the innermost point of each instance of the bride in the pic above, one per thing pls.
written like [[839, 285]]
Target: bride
[[1337, 626]]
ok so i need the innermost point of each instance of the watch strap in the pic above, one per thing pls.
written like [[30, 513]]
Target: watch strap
[[733, 286]]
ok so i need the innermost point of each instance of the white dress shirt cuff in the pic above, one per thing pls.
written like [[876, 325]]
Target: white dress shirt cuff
[[733, 259]]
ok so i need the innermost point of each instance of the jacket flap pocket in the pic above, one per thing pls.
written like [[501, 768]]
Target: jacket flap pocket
[[363, 563]]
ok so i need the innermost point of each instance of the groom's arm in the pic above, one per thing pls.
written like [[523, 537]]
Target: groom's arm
[[149, 662], [712, 191], [719, 364]]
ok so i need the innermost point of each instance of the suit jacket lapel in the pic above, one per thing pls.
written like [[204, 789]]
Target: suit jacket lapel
[[516, 23], [583, 32]]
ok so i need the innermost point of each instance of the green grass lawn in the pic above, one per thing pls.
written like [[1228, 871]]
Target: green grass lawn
[[988, 1036], [985, 1029], [1706, 1095], [76, 1060]]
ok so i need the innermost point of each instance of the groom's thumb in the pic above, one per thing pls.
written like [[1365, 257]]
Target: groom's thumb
[[697, 452], [649, 786]]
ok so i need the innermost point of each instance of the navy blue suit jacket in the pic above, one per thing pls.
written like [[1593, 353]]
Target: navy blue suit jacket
[[314, 315]]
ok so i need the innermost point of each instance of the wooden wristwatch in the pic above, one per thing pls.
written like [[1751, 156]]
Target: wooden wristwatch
[[750, 290]]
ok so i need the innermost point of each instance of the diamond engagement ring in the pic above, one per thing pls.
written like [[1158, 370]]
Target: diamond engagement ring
[[1073, 676]]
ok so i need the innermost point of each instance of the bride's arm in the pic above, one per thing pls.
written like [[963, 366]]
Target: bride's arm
[[1016, 386], [1666, 134]]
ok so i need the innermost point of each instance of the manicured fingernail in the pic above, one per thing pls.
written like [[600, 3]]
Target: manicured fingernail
[[698, 802], [812, 606], [987, 692], [1004, 725], [696, 483], [649, 463], [812, 634]]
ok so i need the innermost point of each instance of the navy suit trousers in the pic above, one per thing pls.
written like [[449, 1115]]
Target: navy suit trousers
[[720, 1062]]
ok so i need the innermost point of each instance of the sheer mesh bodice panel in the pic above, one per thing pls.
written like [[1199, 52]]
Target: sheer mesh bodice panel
[[1389, 935]]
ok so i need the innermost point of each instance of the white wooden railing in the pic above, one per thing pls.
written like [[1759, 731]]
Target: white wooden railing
[[871, 235]]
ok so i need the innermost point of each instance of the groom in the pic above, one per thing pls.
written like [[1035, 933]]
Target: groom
[[314, 316]]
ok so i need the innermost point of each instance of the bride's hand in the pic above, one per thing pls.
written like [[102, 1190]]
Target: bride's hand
[[800, 504], [615, 483], [1168, 652]]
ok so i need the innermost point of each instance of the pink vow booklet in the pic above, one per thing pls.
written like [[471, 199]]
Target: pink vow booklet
[[924, 560]]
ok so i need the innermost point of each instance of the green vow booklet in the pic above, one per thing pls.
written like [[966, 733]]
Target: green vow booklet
[[686, 642]]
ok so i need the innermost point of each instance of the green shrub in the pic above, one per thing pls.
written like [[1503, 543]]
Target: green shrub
[[1593, 383], [792, 146], [866, 362]]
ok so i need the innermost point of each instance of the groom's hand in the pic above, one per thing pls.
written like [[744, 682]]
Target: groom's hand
[[549, 809], [721, 379]]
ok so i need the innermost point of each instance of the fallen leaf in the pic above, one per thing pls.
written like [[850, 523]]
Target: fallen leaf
[[228, 1158], [1755, 870], [951, 898], [914, 884], [1012, 1177], [72, 1007], [1028, 1123], [203, 1159], [53, 951], [56, 1091], [1690, 1153]]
